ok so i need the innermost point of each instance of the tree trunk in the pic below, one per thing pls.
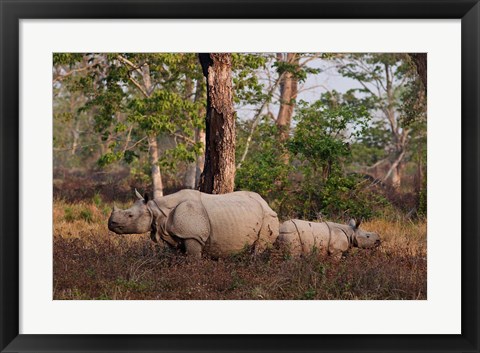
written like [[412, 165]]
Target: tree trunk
[[155, 169], [419, 174], [420, 60], [195, 169], [75, 126], [191, 170], [76, 136], [288, 96], [200, 137], [395, 178], [394, 175], [152, 140], [219, 173], [190, 175]]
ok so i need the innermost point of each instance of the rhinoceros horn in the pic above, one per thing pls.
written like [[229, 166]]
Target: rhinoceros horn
[[139, 196], [115, 208]]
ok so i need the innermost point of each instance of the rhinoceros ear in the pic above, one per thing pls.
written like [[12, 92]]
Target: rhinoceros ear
[[146, 197], [139, 196], [358, 223], [352, 223]]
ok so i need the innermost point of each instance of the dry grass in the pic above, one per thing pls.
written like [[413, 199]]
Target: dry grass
[[92, 263]]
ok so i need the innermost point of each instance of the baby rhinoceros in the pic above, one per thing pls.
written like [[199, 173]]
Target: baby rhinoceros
[[302, 237], [219, 225]]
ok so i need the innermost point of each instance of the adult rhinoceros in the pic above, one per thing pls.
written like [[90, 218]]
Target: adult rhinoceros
[[197, 222], [302, 237]]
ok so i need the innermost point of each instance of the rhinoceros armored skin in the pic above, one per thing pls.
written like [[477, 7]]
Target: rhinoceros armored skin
[[219, 225], [302, 237]]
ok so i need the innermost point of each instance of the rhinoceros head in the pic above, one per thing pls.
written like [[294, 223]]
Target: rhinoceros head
[[134, 220], [363, 239]]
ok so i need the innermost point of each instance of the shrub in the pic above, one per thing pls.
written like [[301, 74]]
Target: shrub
[[69, 214], [86, 215], [97, 199]]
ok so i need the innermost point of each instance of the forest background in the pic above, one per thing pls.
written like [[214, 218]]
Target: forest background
[[330, 135], [320, 136]]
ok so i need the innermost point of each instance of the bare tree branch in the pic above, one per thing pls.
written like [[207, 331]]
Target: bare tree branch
[[71, 72], [185, 138], [132, 65], [136, 143], [138, 86]]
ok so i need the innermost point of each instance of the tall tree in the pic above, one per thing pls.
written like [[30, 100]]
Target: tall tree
[[146, 88], [139, 106], [420, 60], [291, 70], [195, 168], [219, 173], [288, 65], [384, 78]]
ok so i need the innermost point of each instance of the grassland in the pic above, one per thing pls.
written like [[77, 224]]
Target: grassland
[[90, 262]]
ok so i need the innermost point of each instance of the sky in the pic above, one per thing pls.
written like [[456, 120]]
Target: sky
[[310, 90]]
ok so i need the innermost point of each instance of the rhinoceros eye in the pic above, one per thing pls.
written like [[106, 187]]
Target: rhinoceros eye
[[130, 215]]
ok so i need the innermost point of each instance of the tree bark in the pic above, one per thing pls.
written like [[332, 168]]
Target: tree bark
[[75, 126], [420, 60], [200, 163], [288, 96], [155, 169], [190, 176], [219, 173], [191, 170], [75, 136], [394, 175], [195, 169]]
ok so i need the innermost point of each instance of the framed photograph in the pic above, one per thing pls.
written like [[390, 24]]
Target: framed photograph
[[239, 176]]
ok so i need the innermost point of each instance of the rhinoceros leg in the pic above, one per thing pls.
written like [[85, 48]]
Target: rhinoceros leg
[[338, 244], [189, 220], [193, 248]]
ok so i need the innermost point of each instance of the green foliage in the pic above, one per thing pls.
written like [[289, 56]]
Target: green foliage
[[109, 158], [97, 199], [321, 142], [422, 202], [69, 214], [309, 294], [133, 285], [105, 116], [324, 130], [183, 152], [263, 170], [86, 215], [370, 146], [66, 58], [300, 72], [389, 85], [124, 110], [314, 182], [247, 87]]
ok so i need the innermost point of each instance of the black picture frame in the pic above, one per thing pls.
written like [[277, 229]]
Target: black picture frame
[[12, 11]]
